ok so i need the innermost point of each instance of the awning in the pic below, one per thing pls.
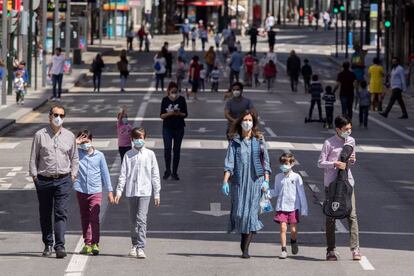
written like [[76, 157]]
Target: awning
[[119, 7], [205, 3]]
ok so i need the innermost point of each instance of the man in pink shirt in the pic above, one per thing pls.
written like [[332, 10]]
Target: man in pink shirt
[[328, 160], [123, 129]]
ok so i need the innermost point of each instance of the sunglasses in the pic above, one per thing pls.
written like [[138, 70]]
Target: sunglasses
[[58, 115]]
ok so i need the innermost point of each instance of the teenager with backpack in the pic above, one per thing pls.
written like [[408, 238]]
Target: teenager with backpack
[[159, 69], [328, 160]]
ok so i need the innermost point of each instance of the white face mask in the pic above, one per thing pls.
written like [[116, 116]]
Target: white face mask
[[57, 121], [236, 93], [345, 134], [247, 125]]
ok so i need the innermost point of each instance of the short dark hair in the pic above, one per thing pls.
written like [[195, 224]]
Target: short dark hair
[[342, 120], [136, 132], [85, 132], [172, 85], [287, 157], [328, 89], [363, 84], [195, 58], [59, 106], [306, 60], [239, 84], [58, 49], [346, 65], [376, 60], [315, 77]]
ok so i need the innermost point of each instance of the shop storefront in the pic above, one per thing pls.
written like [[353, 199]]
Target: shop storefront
[[206, 10], [117, 13]]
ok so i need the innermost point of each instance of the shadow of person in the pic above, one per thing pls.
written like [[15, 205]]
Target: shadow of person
[[216, 255], [305, 258]]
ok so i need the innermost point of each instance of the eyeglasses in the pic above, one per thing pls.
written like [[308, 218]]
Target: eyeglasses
[[58, 115]]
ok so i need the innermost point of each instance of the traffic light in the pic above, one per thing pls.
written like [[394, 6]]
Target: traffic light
[[336, 7], [387, 19], [342, 6]]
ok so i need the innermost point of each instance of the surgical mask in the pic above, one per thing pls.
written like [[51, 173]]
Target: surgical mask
[[138, 143], [57, 121], [236, 93], [285, 168], [345, 134], [247, 125], [125, 120], [86, 146]]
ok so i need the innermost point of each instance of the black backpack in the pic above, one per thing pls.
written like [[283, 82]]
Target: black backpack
[[338, 199]]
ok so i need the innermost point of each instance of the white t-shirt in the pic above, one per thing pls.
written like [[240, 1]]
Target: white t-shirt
[[58, 63], [270, 22]]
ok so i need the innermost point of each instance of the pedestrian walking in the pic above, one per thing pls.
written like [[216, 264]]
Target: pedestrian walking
[[123, 130], [203, 34], [193, 38], [96, 68], [291, 202], [173, 112], [346, 81], [376, 84], [269, 73], [148, 38], [306, 74], [141, 36], [330, 99], [217, 40], [139, 177], [180, 74], [168, 56], [2, 73], [235, 64], [253, 33], [123, 68], [54, 163], [271, 38], [358, 68], [24, 72], [214, 79], [236, 105], [256, 72], [364, 104], [203, 76], [159, 70], [315, 90], [181, 52], [130, 38], [398, 85], [293, 70], [269, 22], [248, 69], [93, 178], [328, 160], [194, 76], [326, 20], [247, 161], [56, 73], [210, 59], [185, 30], [19, 87]]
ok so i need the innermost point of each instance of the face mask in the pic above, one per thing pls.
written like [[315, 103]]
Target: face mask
[[345, 134], [236, 93], [138, 143], [247, 125], [285, 168], [125, 120], [57, 121], [173, 95], [86, 146]]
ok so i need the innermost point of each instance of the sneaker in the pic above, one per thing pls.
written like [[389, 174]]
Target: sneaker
[[87, 249], [133, 251], [53, 99], [95, 249], [294, 248], [47, 252], [331, 256], [60, 253], [402, 117], [141, 254], [175, 176], [22, 103], [356, 254], [383, 114], [166, 175], [283, 255]]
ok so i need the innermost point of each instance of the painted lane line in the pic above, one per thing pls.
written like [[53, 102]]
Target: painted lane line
[[273, 102], [125, 101], [340, 227], [303, 173], [96, 101], [301, 102], [270, 131], [392, 129], [314, 188], [365, 263], [8, 145]]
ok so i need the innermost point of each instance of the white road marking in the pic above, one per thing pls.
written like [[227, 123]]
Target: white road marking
[[8, 145], [410, 128], [5, 186], [215, 210], [77, 262], [365, 263], [214, 101], [273, 102], [301, 102], [125, 101], [270, 131], [96, 100], [303, 174], [392, 129], [314, 188], [340, 227]]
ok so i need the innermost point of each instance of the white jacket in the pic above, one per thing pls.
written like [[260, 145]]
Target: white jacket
[[139, 174]]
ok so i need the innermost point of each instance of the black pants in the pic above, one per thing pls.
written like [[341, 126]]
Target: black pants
[[253, 47], [97, 81], [318, 103], [396, 96], [363, 115], [329, 115], [141, 43], [186, 38], [346, 103], [168, 68], [122, 151], [57, 81], [170, 136], [129, 43], [294, 79], [306, 80], [53, 196], [159, 80], [214, 86], [234, 75]]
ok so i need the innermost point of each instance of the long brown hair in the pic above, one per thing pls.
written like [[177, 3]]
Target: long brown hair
[[236, 128]]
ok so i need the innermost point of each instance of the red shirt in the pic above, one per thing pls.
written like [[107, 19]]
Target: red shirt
[[269, 71], [249, 61], [195, 66]]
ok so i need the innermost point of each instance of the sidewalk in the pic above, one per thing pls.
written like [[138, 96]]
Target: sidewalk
[[12, 112]]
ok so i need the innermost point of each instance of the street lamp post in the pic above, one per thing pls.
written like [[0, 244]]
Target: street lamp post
[[347, 28], [4, 48], [278, 12], [379, 31]]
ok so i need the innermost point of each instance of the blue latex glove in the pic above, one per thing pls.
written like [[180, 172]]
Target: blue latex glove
[[225, 188], [265, 185]]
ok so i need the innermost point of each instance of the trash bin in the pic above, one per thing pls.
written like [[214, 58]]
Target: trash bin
[[77, 56]]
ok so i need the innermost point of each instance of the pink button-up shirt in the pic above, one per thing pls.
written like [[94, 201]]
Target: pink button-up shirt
[[330, 153]]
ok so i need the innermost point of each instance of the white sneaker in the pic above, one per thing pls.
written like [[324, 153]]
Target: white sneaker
[[141, 253], [283, 255], [53, 99], [133, 252]]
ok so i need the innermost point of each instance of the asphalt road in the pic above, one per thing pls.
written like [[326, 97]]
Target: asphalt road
[[187, 232]]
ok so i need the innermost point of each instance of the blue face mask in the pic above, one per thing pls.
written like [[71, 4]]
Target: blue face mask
[[86, 146], [285, 168], [138, 143]]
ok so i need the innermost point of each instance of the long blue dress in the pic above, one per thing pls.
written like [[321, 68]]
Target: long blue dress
[[245, 185]]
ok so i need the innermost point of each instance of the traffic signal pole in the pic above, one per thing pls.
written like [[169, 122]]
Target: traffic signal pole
[[379, 31], [5, 50], [30, 43], [346, 28]]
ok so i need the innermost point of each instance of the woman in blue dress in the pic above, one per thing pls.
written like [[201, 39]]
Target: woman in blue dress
[[248, 169]]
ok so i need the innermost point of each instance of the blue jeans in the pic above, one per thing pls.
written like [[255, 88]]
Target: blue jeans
[[53, 196], [159, 79], [363, 115], [57, 80], [169, 135]]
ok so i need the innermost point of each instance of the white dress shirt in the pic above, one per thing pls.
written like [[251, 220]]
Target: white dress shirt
[[57, 65], [139, 174]]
